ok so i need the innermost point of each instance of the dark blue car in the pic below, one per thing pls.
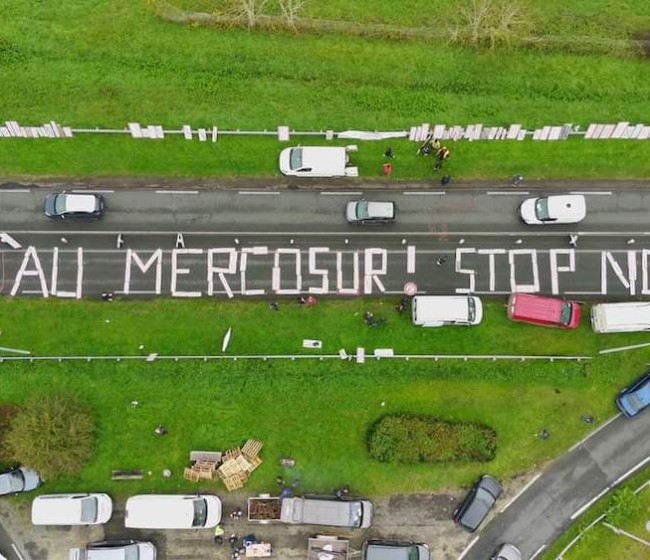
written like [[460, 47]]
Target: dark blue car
[[636, 397]]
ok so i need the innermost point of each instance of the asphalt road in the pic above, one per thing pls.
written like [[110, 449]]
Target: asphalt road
[[567, 488], [286, 242]]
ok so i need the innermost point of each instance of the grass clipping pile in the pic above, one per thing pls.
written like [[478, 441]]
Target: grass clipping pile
[[421, 439]]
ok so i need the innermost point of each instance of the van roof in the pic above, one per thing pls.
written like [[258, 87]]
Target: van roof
[[164, 511], [56, 510], [627, 315], [441, 308], [537, 308]]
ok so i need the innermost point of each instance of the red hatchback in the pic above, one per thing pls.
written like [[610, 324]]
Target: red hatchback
[[544, 311]]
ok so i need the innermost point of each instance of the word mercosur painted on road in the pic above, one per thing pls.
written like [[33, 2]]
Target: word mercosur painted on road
[[290, 271]]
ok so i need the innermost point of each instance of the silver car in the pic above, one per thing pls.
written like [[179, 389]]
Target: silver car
[[364, 212], [19, 480], [506, 551], [115, 550]]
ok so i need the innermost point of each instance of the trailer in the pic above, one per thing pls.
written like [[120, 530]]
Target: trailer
[[323, 547]]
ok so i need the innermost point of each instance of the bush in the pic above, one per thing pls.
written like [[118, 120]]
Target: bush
[[624, 505], [419, 439], [52, 434]]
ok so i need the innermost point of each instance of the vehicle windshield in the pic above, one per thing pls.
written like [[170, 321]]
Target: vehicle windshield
[[471, 305], [541, 209], [295, 158], [200, 512], [362, 210], [59, 204], [88, 510], [131, 552], [565, 314], [16, 482]]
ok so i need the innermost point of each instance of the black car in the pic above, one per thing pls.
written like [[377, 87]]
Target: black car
[[82, 206], [477, 504]]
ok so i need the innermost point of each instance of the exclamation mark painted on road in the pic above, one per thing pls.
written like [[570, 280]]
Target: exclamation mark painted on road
[[410, 259]]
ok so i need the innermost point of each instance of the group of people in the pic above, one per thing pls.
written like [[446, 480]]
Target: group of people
[[431, 146]]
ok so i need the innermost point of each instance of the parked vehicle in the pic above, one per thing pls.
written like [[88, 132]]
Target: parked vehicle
[[636, 397], [477, 504], [350, 513], [72, 509], [437, 311], [172, 511], [316, 161], [82, 206], [363, 212], [556, 209], [544, 311], [631, 316], [506, 551], [17, 480], [115, 550], [394, 550]]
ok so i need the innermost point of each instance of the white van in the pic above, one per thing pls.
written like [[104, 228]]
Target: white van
[[172, 511], [72, 509], [631, 316], [437, 311]]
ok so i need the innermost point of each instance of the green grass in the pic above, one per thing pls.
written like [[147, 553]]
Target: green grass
[[317, 412], [601, 542], [101, 63]]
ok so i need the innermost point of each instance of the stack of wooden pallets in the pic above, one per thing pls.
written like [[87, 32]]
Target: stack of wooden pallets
[[239, 463], [204, 466]]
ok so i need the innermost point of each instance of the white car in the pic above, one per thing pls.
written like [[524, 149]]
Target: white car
[[172, 511], [315, 161], [365, 212], [72, 509], [115, 550], [556, 209]]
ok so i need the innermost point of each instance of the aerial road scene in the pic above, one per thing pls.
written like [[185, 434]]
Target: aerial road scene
[[325, 280]]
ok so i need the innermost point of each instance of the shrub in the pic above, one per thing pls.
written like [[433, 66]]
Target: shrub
[[52, 434], [624, 504], [419, 439]]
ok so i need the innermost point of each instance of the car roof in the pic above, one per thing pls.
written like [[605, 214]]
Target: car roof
[[381, 209], [566, 206], [508, 552], [381, 551], [643, 391], [5, 482], [80, 202], [58, 508]]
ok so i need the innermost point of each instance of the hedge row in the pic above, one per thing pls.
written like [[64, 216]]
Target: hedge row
[[420, 439]]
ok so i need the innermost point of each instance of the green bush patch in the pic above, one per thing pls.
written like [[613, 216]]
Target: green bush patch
[[420, 439]]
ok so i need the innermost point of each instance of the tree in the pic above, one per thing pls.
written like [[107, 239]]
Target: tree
[[53, 434], [249, 10], [290, 11]]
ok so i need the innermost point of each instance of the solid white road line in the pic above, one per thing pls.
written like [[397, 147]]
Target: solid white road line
[[628, 473], [17, 551], [177, 192], [258, 192], [530, 483], [590, 434], [506, 192], [341, 193], [593, 500], [367, 232], [468, 547], [407, 193], [537, 552]]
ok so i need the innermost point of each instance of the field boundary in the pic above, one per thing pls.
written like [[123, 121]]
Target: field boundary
[[292, 357]]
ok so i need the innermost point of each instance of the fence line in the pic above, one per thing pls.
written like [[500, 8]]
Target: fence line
[[293, 357], [471, 132]]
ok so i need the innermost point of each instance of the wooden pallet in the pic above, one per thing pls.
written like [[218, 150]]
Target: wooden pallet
[[252, 448], [233, 482], [231, 453], [191, 475]]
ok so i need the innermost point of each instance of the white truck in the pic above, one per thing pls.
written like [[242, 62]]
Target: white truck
[[351, 513]]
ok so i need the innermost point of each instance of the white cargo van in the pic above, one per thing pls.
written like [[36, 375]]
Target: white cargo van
[[172, 511], [353, 514], [71, 509], [632, 316], [437, 311]]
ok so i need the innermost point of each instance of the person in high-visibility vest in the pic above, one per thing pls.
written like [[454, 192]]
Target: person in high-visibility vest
[[218, 534]]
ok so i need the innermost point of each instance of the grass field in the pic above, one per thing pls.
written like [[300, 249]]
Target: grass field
[[600, 541], [317, 412], [101, 63]]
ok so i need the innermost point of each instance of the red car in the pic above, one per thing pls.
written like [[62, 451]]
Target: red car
[[544, 311]]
